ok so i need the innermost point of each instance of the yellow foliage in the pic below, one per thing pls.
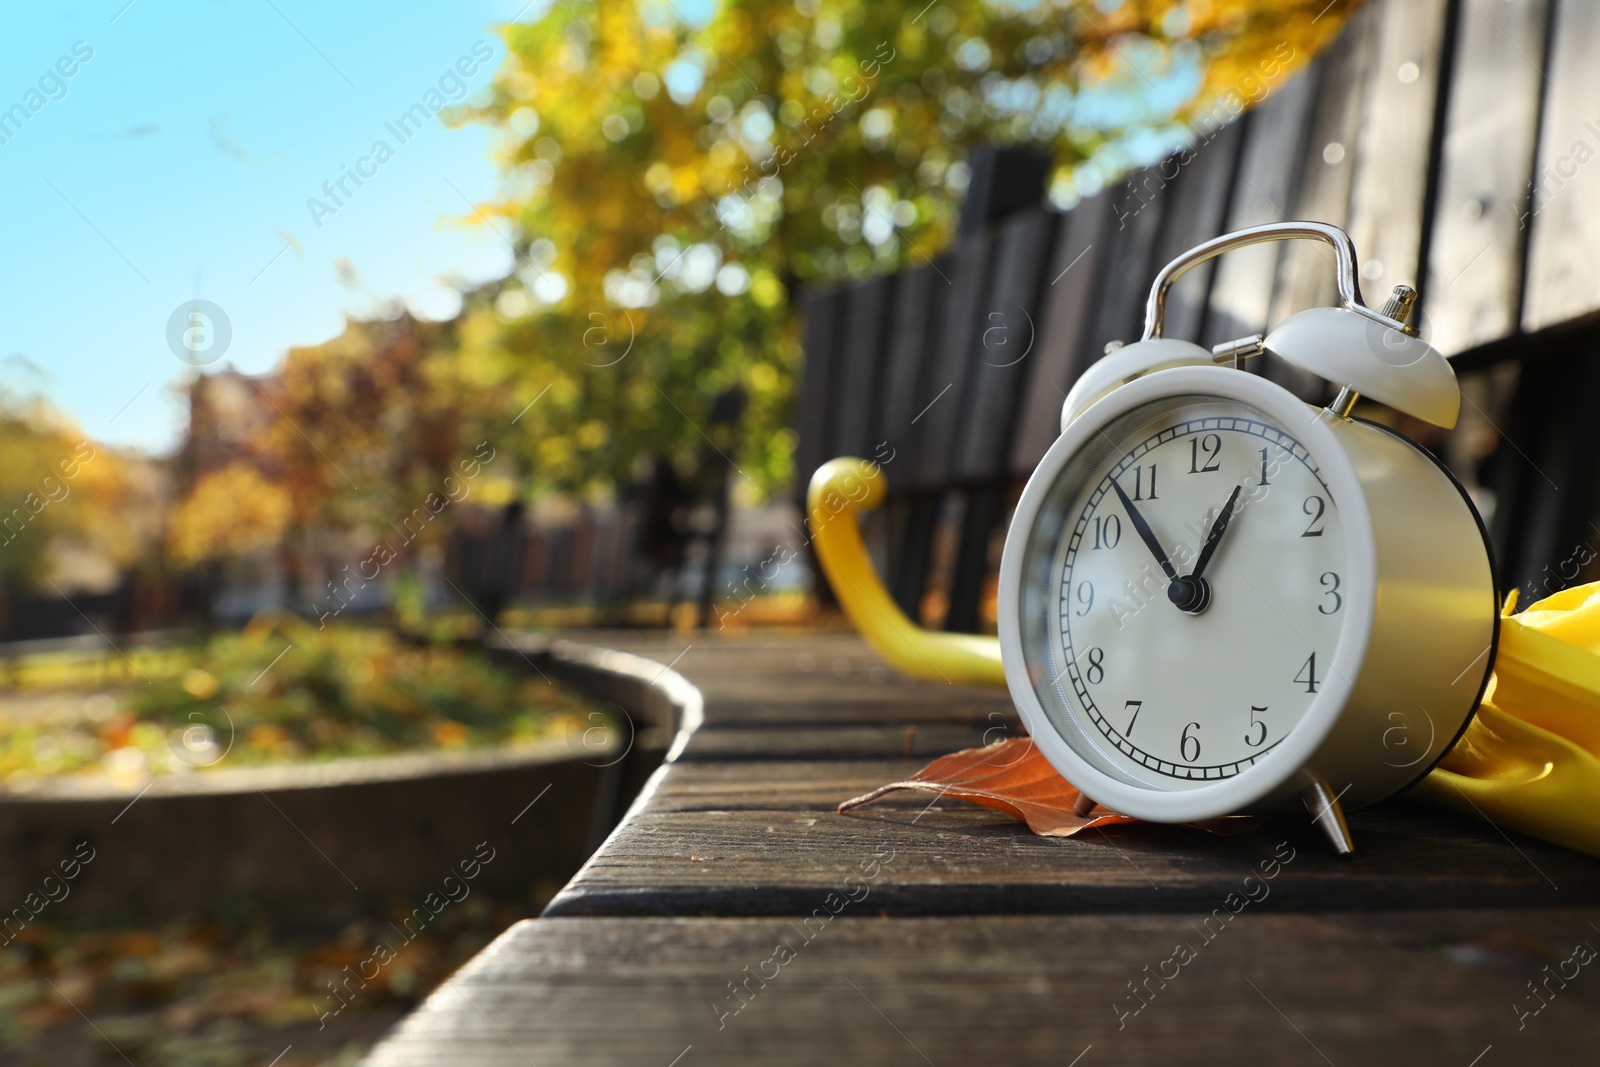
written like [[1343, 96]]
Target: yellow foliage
[[229, 512]]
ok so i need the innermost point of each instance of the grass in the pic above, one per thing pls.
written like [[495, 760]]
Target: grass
[[278, 691]]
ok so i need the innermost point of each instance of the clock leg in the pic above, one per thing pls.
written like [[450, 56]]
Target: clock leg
[[1323, 804], [1083, 806]]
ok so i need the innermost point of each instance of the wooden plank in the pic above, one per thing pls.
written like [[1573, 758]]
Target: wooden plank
[[1435, 989], [918, 295], [1136, 210], [1564, 241], [1008, 340], [814, 414], [1473, 285], [1201, 195], [1269, 171], [860, 375], [957, 858], [1305, 277], [1389, 188], [1082, 246], [945, 418]]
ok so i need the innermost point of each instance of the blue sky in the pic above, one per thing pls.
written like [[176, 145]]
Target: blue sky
[[176, 164]]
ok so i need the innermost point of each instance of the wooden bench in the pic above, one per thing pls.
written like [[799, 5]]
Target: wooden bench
[[1443, 135], [928, 930]]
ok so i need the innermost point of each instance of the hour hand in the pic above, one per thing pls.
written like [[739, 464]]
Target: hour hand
[[1145, 533]]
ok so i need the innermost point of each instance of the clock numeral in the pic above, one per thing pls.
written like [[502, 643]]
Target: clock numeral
[[1314, 506], [1255, 742], [1135, 705], [1264, 468], [1308, 674], [1211, 445], [1086, 600], [1189, 739], [1107, 531], [1330, 581], [1138, 483], [1097, 671]]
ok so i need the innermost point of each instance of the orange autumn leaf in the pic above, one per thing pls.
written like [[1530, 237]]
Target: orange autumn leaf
[[1011, 776], [1014, 777]]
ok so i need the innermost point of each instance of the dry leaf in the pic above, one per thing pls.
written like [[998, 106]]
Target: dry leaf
[[1011, 776], [1014, 777]]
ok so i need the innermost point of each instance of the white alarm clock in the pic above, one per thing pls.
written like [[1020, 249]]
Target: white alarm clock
[[1218, 599]]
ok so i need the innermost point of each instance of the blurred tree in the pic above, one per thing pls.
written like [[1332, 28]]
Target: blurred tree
[[61, 495], [229, 512], [353, 437], [673, 170]]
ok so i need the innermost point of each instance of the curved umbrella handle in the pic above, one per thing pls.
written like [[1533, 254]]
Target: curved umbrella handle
[[838, 489]]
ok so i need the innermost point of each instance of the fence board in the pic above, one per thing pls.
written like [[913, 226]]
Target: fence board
[[1473, 283], [1564, 249]]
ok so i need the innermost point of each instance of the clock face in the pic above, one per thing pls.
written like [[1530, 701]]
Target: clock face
[[1191, 578]]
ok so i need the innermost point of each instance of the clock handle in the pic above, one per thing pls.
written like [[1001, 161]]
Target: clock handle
[[1344, 250]]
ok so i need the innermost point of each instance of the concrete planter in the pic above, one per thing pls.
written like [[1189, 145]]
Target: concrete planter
[[319, 843]]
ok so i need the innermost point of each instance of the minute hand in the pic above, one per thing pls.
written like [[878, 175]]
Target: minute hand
[[1145, 533], [1214, 538]]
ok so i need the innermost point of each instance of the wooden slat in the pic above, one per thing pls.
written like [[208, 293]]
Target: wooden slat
[[960, 859], [957, 336], [918, 295], [1201, 195], [814, 415], [1136, 210], [1008, 339], [1082, 245], [1474, 279], [1306, 277], [863, 354], [1269, 170], [1389, 188], [1564, 244], [1428, 989]]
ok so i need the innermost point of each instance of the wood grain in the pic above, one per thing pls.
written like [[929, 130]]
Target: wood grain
[[1007, 340], [1473, 286], [863, 362], [1432, 989], [814, 409], [959, 859], [1564, 244], [1306, 276], [1389, 187], [1269, 168], [955, 340], [1200, 198]]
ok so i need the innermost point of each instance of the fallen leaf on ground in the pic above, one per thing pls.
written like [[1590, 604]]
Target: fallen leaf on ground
[[1014, 777]]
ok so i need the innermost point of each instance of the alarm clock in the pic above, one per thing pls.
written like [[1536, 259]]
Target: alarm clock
[[1218, 599]]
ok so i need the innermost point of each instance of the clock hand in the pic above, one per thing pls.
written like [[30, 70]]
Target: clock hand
[[1145, 533], [1214, 538]]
